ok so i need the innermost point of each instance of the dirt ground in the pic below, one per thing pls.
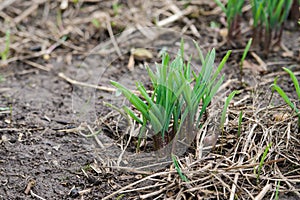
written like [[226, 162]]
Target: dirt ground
[[56, 79]]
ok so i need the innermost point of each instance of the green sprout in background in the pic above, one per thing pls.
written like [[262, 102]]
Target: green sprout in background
[[1, 78], [96, 23], [287, 100], [244, 57], [173, 106], [116, 8], [5, 53], [233, 11], [268, 18]]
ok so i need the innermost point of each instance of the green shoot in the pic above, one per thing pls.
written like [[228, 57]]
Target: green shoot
[[257, 9], [240, 124], [262, 161], [1, 78], [116, 8], [244, 56], [4, 54], [120, 196], [178, 169], [173, 105], [284, 95], [232, 11], [228, 99], [268, 17], [246, 51], [86, 167], [96, 23], [277, 191], [295, 81], [273, 89]]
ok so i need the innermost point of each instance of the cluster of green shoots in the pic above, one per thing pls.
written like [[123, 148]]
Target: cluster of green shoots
[[178, 99], [288, 101], [268, 18], [233, 11]]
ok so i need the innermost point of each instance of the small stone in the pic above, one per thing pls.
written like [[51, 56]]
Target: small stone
[[74, 193]]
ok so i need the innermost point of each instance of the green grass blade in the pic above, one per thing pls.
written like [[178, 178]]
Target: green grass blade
[[246, 50], [5, 52], [152, 76], [221, 65], [274, 17], [132, 115], [239, 6], [257, 9], [285, 97], [156, 123], [277, 191], [136, 101], [209, 65], [178, 169], [219, 3], [262, 160], [200, 54], [144, 93], [286, 11], [240, 124], [209, 97], [223, 116], [295, 81]]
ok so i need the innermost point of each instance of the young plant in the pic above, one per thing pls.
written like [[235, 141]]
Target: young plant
[[4, 54], [277, 191], [96, 23], [240, 124], [178, 169], [284, 95], [227, 101], [116, 8], [268, 19], [262, 161], [232, 11], [244, 56], [173, 107], [1, 78]]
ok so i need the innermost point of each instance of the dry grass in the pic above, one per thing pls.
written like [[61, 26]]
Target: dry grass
[[228, 171]]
